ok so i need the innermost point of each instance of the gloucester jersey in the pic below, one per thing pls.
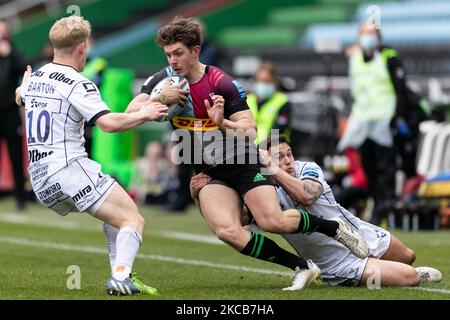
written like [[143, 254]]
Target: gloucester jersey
[[58, 100], [337, 264]]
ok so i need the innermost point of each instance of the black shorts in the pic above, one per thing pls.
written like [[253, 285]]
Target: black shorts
[[240, 177]]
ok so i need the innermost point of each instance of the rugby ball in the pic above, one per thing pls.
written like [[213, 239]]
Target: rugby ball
[[175, 108]]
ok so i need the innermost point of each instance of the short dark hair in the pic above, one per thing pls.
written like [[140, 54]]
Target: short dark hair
[[274, 140], [180, 29]]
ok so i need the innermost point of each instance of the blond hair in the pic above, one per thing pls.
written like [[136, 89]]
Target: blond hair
[[68, 32]]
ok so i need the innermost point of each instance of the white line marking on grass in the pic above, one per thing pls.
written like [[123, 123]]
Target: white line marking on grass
[[70, 225], [191, 237], [429, 289], [27, 220], [69, 247]]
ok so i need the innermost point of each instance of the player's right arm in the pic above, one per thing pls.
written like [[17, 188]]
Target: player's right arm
[[197, 183], [26, 75], [305, 188], [169, 95], [307, 185], [119, 122], [86, 99]]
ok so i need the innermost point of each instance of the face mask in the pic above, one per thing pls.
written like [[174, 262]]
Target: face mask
[[264, 90], [368, 42]]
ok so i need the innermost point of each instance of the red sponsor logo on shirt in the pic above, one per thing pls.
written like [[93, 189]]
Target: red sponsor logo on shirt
[[194, 124]]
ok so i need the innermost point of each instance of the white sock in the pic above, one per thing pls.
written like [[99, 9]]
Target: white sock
[[127, 243], [111, 238]]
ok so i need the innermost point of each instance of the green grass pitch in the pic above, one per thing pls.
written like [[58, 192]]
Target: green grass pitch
[[179, 256]]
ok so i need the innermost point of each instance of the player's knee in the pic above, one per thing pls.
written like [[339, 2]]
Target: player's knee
[[136, 221], [227, 233], [269, 224], [140, 221], [410, 256]]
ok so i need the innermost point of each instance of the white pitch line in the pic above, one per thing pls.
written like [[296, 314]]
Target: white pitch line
[[429, 289], [27, 220], [70, 225], [191, 237], [88, 249]]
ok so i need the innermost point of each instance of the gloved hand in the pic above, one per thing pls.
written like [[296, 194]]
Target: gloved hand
[[403, 128]]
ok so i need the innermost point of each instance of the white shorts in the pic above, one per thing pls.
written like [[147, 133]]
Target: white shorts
[[348, 271], [79, 187]]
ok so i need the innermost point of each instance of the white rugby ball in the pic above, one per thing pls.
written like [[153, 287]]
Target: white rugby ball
[[175, 108]]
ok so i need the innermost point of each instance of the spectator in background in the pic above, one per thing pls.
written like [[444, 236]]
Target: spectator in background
[[354, 193], [12, 67], [94, 70], [156, 174], [270, 107], [379, 94], [45, 57], [210, 52]]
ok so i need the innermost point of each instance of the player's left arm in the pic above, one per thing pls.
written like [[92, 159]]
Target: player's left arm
[[238, 120], [304, 191], [229, 109], [398, 77]]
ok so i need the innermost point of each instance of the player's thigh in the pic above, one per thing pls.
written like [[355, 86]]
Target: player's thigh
[[399, 252], [119, 210], [389, 273], [221, 208], [263, 203], [220, 205]]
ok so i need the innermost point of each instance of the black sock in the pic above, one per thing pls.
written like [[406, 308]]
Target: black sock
[[263, 248], [311, 223]]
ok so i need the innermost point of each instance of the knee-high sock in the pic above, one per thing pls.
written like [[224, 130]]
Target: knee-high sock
[[111, 238], [127, 243], [263, 248], [311, 223]]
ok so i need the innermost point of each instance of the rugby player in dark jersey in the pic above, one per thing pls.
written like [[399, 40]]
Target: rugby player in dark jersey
[[210, 130]]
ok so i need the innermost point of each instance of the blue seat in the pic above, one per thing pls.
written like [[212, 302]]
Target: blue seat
[[430, 32], [404, 11]]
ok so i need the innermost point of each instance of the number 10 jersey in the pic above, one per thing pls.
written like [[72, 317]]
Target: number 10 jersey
[[58, 101]]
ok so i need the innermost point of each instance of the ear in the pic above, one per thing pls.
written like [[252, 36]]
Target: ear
[[196, 50], [82, 47]]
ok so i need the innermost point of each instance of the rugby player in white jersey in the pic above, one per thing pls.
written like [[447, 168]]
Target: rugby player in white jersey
[[389, 261], [58, 100]]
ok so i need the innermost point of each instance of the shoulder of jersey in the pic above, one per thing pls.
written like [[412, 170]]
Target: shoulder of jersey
[[215, 75], [63, 74]]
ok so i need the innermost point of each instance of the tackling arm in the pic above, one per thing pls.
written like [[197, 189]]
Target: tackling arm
[[118, 122], [137, 103], [305, 191]]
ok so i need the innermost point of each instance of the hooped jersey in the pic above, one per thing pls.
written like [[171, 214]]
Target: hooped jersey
[[58, 101], [194, 117]]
